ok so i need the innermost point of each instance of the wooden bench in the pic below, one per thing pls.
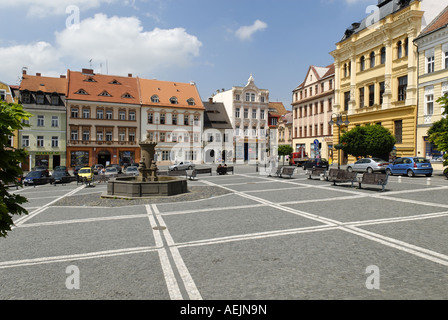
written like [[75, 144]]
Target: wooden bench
[[315, 172], [341, 176], [378, 179], [224, 170]]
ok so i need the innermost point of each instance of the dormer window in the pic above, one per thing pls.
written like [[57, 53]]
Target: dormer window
[[173, 100], [155, 99], [127, 95], [105, 94], [81, 91], [40, 98], [114, 82], [191, 102], [90, 79]]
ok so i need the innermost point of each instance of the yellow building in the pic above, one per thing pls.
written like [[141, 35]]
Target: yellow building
[[376, 73], [7, 95], [432, 80]]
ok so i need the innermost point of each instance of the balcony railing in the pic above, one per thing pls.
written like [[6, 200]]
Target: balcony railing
[[102, 143]]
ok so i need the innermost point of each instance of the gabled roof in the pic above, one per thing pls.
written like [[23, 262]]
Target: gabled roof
[[97, 85], [439, 22], [287, 118], [165, 90], [279, 109], [319, 72], [44, 84], [215, 116]]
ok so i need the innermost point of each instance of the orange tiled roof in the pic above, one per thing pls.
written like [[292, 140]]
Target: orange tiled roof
[[44, 84], [439, 22], [103, 88], [165, 90], [281, 110]]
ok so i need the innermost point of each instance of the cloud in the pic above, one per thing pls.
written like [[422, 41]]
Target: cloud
[[119, 41], [246, 32]]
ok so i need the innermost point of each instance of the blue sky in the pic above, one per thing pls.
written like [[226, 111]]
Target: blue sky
[[217, 44]]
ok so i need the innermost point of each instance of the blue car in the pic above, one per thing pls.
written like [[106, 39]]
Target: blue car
[[410, 166], [37, 174]]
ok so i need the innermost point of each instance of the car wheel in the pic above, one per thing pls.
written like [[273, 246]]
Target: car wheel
[[349, 169], [429, 175], [411, 173], [369, 170], [389, 172]]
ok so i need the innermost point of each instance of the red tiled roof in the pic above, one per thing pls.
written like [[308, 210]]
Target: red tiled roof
[[44, 84], [103, 88], [439, 22], [279, 107], [165, 90]]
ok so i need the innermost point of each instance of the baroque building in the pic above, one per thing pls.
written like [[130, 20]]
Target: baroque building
[[376, 73]]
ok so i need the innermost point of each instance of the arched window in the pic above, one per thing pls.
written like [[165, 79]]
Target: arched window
[[399, 50], [191, 102], [173, 100], [155, 99], [372, 59]]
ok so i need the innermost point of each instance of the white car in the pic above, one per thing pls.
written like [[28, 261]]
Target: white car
[[111, 171], [131, 171], [182, 165]]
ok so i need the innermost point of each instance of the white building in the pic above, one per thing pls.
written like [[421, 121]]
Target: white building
[[248, 109]]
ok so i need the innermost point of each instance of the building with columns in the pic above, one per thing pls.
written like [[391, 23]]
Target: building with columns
[[376, 73], [248, 109], [432, 80]]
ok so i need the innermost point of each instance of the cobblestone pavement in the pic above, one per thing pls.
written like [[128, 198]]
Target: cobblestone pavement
[[245, 236]]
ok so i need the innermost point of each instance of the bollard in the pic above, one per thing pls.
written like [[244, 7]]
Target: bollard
[[256, 168], [399, 179], [428, 182]]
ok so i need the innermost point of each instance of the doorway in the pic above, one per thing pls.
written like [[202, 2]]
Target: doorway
[[104, 158], [56, 161]]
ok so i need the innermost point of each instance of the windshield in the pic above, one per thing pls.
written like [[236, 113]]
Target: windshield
[[111, 169], [58, 173], [34, 174], [131, 169], [84, 171], [421, 160]]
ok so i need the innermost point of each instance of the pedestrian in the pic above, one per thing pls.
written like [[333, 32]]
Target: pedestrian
[[101, 173]]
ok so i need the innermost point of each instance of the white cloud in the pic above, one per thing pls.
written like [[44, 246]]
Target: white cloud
[[119, 41], [246, 32], [44, 8]]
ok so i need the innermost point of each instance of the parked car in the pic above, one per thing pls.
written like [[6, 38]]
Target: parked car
[[315, 163], [131, 171], [36, 174], [77, 168], [445, 173], [86, 173], [44, 168], [60, 168], [58, 175], [111, 171], [368, 165], [410, 166], [183, 165], [96, 168], [116, 166]]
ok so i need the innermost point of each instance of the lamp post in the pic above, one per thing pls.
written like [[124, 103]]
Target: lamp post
[[339, 122]]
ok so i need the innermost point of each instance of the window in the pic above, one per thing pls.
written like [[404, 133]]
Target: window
[[402, 87], [40, 98], [74, 135], [445, 56], [81, 91], [262, 114], [372, 59], [361, 97], [346, 100], [132, 136], [246, 113], [99, 135], [90, 79], [430, 64], [191, 102], [322, 87], [55, 121], [406, 47], [155, 99], [196, 121], [85, 113], [127, 95], [246, 131], [122, 115], [330, 105], [173, 100], [162, 118], [247, 97], [262, 99], [383, 55], [74, 112], [254, 113], [54, 142], [25, 141], [371, 95], [345, 71], [54, 100], [429, 110], [237, 97], [252, 97], [99, 114], [174, 119], [2, 95], [399, 50], [330, 85], [174, 137], [86, 135], [109, 114], [150, 118], [40, 121], [40, 141], [122, 135], [237, 113], [399, 131], [132, 115], [382, 89], [108, 135], [363, 63], [321, 107], [162, 136], [311, 91], [105, 94], [186, 120]]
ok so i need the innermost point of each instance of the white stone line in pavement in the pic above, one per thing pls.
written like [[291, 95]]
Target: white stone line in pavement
[[86, 220], [22, 220], [52, 197], [270, 190], [400, 245], [168, 272], [243, 183], [212, 209], [74, 257], [187, 279], [424, 203], [323, 200], [396, 219]]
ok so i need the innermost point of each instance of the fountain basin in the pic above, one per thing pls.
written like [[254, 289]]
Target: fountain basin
[[131, 187]]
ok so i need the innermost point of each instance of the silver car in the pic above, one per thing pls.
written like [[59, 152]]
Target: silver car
[[183, 165], [131, 171], [111, 171], [368, 165]]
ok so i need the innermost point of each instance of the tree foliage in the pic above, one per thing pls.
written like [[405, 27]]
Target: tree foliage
[[285, 150], [11, 116], [364, 141], [438, 133]]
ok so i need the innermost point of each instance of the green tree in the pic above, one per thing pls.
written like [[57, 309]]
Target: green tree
[[285, 150], [363, 141], [11, 116], [438, 133]]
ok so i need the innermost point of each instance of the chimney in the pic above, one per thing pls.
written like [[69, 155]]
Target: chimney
[[210, 100], [24, 72], [38, 74], [87, 71], [130, 75], [63, 77]]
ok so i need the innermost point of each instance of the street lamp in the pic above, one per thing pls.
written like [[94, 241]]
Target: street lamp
[[339, 122]]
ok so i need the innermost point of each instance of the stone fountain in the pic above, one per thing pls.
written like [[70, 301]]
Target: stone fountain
[[147, 184]]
